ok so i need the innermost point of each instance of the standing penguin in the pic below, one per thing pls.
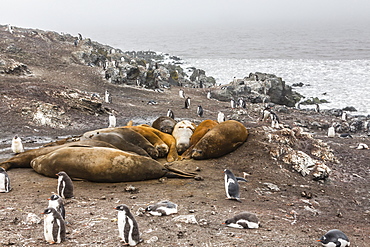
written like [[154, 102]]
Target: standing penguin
[[244, 220], [233, 103], [112, 120], [182, 93], [241, 103], [170, 114], [127, 226], [220, 117], [334, 238], [56, 202], [331, 131], [187, 103], [209, 96], [54, 226], [4, 181], [17, 146], [200, 111], [232, 186], [266, 113], [344, 116], [107, 97], [65, 185], [274, 120], [317, 108]]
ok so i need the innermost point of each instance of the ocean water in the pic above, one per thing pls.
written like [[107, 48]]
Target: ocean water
[[333, 62]]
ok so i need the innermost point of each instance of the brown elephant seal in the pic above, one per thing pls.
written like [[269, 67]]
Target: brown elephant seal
[[220, 140], [182, 132], [125, 139], [164, 124], [24, 159], [101, 164], [199, 132]]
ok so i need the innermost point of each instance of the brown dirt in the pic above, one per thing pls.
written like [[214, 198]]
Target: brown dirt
[[342, 202]]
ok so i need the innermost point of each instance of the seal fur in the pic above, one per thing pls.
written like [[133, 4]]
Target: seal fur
[[164, 124]]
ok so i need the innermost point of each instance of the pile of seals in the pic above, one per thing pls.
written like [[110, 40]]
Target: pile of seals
[[130, 153]]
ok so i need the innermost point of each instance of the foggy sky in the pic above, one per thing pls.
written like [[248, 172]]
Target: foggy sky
[[84, 15]]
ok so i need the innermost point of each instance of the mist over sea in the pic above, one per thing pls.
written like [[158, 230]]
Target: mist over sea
[[333, 62]]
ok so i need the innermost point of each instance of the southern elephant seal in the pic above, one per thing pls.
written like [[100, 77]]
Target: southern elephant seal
[[182, 132], [100, 164], [24, 159], [125, 139], [164, 124], [157, 137], [199, 132], [220, 140]]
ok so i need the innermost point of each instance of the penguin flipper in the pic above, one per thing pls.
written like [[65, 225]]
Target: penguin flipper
[[241, 179]]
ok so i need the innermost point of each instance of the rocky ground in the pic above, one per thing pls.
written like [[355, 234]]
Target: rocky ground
[[57, 86]]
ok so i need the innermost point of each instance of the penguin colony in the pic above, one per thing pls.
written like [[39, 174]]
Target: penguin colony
[[54, 214]]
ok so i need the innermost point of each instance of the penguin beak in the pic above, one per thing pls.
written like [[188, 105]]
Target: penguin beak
[[223, 223], [319, 240], [49, 199]]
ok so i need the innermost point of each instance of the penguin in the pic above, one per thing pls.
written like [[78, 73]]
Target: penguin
[[79, 36], [220, 117], [152, 102], [317, 109], [232, 104], [182, 93], [75, 42], [345, 135], [362, 146], [54, 226], [331, 132], [112, 120], [4, 181], [209, 96], [232, 186], [344, 116], [334, 238], [241, 103], [244, 220], [162, 208], [17, 146], [274, 120], [187, 103], [65, 185], [127, 226], [107, 97], [200, 111], [56, 202], [170, 114], [266, 113]]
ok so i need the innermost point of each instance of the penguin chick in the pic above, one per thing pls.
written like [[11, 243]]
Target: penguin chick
[[232, 186], [4, 181], [162, 208], [127, 226], [54, 226], [65, 185], [244, 220], [334, 238], [56, 202], [17, 146]]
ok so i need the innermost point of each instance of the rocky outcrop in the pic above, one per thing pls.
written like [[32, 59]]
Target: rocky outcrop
[[9, 66], [258, 88]]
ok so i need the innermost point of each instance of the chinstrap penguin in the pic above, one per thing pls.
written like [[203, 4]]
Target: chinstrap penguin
[[243, 220], [162, 208], [4, 181], [127, 226], [56, 202], [232, 186], [334, 238], [200, 111], [170, 114], [54, 226], [65, 185], [17, 146]]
